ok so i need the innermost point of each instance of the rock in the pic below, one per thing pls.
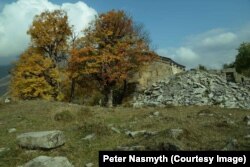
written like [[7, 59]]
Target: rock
[[205, 112], [157, 113], [137, 104], [89, 165], [3, 149], [42, 140], [30, 151], [248, 123], [135, 133], [7, 100], [45, 161], [89, 137], [12, 130], [150, 133], [195, 88], [175, 133], [229, 122], [247, 137], [115, 130], [132, 148], [231, 145]]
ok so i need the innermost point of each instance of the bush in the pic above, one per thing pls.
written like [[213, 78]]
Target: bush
[[65, 116]]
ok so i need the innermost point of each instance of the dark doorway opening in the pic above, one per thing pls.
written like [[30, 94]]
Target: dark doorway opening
[[230, 77]]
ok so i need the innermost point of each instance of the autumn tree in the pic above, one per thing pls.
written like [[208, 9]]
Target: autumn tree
[[111, 50], [34, 76], [50, 32]]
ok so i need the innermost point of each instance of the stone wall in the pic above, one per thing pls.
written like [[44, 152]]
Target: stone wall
[[154, 72], [230, 73]]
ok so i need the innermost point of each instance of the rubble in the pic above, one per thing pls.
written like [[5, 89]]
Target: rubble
[[195, 88]]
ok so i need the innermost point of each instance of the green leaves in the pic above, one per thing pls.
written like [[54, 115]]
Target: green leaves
[[242, 62]]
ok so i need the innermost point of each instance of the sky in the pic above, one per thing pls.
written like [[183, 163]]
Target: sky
[[190, 32]]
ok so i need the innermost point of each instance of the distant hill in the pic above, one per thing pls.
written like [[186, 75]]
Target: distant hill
[[4, 84], [5, 70], [4, 78]]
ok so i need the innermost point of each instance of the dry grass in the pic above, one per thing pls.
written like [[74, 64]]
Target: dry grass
[[200, 132]]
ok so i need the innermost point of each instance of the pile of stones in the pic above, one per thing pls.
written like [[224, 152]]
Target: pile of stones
[[195, 88]]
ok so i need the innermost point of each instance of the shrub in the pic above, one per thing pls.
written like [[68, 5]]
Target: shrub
[[65, 116]]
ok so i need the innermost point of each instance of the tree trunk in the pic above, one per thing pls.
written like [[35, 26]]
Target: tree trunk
[[110, 98], [72, 90], [125, 87]]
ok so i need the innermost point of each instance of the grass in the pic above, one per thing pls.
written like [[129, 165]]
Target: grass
[[201, 132]]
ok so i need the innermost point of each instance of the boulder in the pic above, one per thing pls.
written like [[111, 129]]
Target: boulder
[[247, 137], [175, 133], [132, 148], [7, 100], [45, 161], [89, 137], [89, 164], [3, 150], [115, 130], [231, 145], [41, 140], [135, 133], [11, 130]]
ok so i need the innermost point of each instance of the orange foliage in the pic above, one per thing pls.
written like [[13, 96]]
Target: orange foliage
[[50, 32], [112, 49]]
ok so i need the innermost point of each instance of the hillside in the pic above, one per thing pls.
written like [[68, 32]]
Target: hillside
[[4, 78], [90, 129], [4, 84], [4, 70]]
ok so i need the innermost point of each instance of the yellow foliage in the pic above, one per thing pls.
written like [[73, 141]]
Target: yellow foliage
[[50, 32], [35, 76]]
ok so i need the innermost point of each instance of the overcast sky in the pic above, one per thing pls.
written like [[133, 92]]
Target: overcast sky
[[190, 32]]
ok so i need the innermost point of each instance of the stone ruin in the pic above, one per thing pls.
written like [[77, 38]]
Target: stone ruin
[[195, 88]]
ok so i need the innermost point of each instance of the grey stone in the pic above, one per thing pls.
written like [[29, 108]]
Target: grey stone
[[3, 149], [115, 130], [132, 148], [12, 130], [247, 137], [135, 133], [89, 137], [195, 88], [89, 165], [229, 122], [43, 139], [45, 161], [148, 133], [231, 145], [7, 100], [175, 133], [206, 114], [157, 113], [248, 123]]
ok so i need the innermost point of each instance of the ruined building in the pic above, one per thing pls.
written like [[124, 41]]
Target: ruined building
[[159, 69]]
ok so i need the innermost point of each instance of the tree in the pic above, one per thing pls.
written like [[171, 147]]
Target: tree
[[242, 62], [35, 76], [50, 32], [230, 65], [112, 49], [202, 67]]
